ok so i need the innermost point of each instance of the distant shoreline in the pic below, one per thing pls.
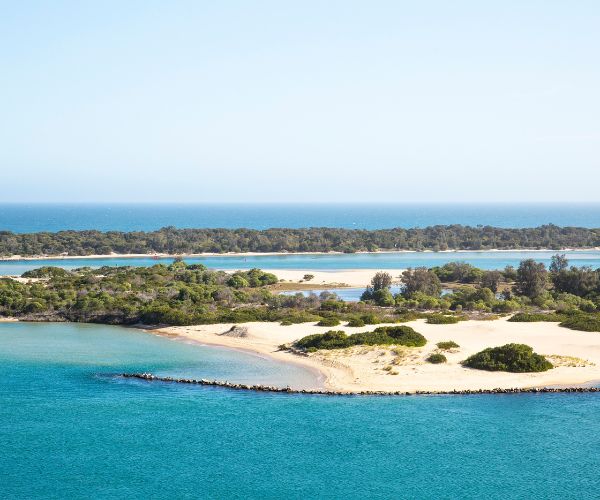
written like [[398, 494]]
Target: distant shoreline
[[158, 256]]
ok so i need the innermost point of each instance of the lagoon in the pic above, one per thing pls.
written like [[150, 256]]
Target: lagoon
[[382, 260], [73, 430]]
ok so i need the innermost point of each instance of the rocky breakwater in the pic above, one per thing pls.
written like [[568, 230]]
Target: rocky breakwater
[[288, 390]]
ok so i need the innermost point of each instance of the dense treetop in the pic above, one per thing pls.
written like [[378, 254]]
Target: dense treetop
[[170, 240]]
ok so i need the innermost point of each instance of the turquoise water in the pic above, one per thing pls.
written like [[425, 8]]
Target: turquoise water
[[350, 294], [27, 218], [71, 430], [391, 260]]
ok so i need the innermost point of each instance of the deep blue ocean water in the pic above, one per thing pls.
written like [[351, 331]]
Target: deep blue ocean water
[[26, 218], [323, 262], [70, 429]]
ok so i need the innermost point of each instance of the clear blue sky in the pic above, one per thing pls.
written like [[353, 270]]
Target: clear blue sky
[[300, 101]]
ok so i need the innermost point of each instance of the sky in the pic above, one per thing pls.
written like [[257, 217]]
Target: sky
[[304, 101]]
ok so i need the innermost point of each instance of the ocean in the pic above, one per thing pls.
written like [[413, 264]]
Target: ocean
[[27, 218], [71, 428]]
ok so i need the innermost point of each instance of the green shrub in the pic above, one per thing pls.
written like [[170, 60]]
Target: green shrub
[[301, 317], [399, 335], [332, 305], [582, 322], [448, 344], [371, 319], [286, 322], [506, 306], [535, 317], [516, 358], [441, 319], [46, 272], [389, 335], [405, 316], [356, 322], [329, 321], [436, 358]]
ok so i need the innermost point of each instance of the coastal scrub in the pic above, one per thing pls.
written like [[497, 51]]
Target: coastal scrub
[[516, 358]]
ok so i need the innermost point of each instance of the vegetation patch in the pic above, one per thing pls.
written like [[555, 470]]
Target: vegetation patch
[[582, 322], [568, 361], [536, 317], [436, 358], [329, 321], [516, 358], [370, 319], [442, 319], [356, 322], [447, 345], [389, 335]]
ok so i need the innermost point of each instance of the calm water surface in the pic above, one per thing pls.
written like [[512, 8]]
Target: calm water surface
[[388, 260], [71, 430]]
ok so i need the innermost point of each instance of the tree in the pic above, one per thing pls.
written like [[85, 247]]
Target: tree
[[421, 280], [383, 297], [558, 263], [510, 274], [491, 280], [578, 281], [381, 281], [532, 278]]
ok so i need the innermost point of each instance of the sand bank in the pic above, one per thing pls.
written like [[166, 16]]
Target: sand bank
[[576, 355], [255, 254], [337, 278]]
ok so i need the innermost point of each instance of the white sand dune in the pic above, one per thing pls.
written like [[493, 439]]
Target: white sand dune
[[576, 355]]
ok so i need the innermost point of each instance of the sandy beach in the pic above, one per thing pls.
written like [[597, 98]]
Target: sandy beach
[[575, 355], [338, 278], [254, 254]]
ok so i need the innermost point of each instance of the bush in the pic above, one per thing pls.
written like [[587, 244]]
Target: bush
[[356, 322], [436, 358], [371, 319], [332, 305], [389, 335], [405, 316], [383, 298], [399, 335], [506, 306], [535, 317], [448, 344], [46, 272], [300, 317], [440, 319], [328, 340], [582, 322], [329, 321], [516, 358], [285, 322]]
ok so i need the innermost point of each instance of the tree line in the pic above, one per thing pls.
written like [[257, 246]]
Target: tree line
[[175, 241]]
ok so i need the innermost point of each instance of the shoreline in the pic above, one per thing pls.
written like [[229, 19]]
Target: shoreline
[[158, 256], [576, 356], [327, 376]]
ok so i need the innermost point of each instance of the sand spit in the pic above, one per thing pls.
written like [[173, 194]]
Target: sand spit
[[575, 355]]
